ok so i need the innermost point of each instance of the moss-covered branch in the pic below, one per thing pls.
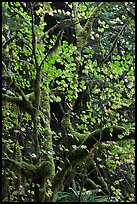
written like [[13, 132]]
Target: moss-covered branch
[[74, 136], [83, 33], [82, 151], [87, 141], [106, 134], [47, 143], [85, 144], [110, 133], [25, 106], [46, 170], [28, 170]]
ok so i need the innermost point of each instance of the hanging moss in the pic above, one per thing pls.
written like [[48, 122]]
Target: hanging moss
[[83, 34]]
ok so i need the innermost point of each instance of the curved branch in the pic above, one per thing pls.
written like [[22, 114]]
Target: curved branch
[[87, 141], [82, 151]]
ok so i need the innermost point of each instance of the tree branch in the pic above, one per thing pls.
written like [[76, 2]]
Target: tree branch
[[37, 91], [33, 38], [87, 141], [82, 151], [25, 106], [84, 33], [113, 46], [54, 48], [8, 42]]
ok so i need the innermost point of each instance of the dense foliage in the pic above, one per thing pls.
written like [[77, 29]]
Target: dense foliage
[[68, 101]]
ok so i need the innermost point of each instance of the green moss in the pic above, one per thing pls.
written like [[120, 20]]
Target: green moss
[[46, 170], [47, 143], [27, 170], [83, 33], [59, 178], [18, 153], [42, 192], [70, 130], [92, 183], [78, 155]]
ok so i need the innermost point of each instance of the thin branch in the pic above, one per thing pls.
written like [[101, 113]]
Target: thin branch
[[96, 9], [54, 48], [62, 22], [8, 42], [38, 74], [33, 37], [113, 46]]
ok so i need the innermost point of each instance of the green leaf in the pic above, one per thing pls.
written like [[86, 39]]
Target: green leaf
[[131, 73], [17, 3], [101, 30], [118, 57], [95, 63], [113, 188], [93, 120], [58, 99], [120, 136], [111, 130], [60, 88], [70, 92], [92, 51]]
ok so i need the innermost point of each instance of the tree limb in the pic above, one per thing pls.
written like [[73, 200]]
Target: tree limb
[[37, 91], [54, 48], [25, 106], [113, 46]]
